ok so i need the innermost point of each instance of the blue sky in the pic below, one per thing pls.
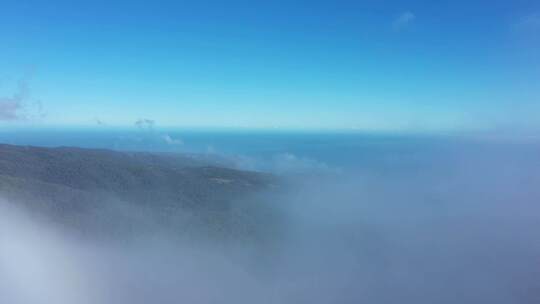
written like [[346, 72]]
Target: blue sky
[[364, 65]]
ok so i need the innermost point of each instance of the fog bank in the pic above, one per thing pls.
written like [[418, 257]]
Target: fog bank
[[464, 229]]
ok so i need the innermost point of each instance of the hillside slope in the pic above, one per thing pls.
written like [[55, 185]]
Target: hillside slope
[[89, 188]]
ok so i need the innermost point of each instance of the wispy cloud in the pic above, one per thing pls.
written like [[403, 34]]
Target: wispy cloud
[[99, 121], [171, 141], [529, 22], [403, 20], [145, 123], [148, 125], [19, 105], [11, 107]]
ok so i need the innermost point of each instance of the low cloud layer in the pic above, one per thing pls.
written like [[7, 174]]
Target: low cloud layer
[[281, 164], [458, 228]]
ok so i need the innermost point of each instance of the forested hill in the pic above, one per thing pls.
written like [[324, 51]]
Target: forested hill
[[86, 185]]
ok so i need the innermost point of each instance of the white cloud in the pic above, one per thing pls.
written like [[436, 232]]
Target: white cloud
[[403, 20]]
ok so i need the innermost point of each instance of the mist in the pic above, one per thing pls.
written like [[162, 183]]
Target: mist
[[460, 227]]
